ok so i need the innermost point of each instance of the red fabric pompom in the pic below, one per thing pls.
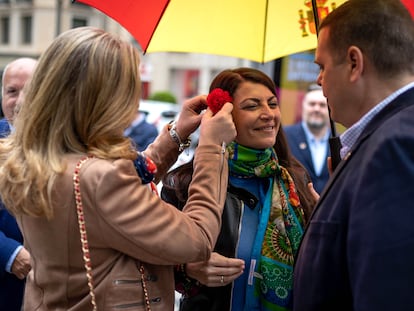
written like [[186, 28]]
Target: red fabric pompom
[[217, 98]]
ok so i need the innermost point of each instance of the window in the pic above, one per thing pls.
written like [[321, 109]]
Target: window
[[27, 29], [76, 3], [5, 30], [79, 22]]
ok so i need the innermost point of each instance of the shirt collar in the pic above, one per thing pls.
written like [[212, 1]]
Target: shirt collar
[[310, 137], [349, 137]]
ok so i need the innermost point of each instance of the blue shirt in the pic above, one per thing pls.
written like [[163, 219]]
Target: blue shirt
[[12, 258]]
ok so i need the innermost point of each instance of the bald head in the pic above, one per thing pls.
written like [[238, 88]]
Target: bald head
[[15, 75]]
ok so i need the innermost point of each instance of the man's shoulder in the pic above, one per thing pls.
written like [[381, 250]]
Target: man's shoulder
[[4, 127]]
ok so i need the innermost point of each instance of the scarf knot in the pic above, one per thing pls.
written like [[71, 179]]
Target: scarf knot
[[247, 163]]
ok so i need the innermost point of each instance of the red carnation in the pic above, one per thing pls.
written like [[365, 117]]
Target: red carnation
[[217, 98]]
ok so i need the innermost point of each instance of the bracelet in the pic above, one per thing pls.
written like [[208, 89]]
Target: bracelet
[[174, 135], [187, 278]]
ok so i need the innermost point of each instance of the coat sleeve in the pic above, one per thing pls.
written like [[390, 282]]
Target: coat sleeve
[[135, 221], [10, 237], [164, 152]]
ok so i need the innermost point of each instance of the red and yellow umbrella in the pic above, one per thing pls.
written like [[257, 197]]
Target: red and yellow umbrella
[[410, 6], [258, 30]]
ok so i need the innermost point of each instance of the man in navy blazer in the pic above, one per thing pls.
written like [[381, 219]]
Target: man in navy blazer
[[309, 139], [14, 258], [357, 253]]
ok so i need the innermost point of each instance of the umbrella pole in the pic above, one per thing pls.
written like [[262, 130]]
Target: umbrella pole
[[334, 141], [315, 15], [334, 145]]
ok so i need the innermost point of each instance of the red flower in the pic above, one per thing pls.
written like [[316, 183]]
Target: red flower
[[217, 98]]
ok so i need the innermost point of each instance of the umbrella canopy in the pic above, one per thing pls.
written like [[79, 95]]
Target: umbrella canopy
[[258, 30], [410, 6]]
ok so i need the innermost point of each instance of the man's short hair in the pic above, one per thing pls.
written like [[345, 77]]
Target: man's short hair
[[314, 87]]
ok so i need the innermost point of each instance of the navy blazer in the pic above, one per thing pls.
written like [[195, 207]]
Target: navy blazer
[[11, 287], [296, 137], [357, 252], [4, 127], [143, 134]]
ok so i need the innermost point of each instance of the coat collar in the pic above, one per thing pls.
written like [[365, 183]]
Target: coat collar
[[400, 103]]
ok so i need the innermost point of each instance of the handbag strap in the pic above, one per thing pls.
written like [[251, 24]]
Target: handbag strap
[[84, 239], [82, 229]]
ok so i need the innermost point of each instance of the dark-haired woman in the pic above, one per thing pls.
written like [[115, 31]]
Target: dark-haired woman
[[268, 203]]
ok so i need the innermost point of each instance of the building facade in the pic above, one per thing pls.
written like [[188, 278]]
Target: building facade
[[28, 26]]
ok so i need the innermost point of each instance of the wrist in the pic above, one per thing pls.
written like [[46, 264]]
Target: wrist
[[182, 144]]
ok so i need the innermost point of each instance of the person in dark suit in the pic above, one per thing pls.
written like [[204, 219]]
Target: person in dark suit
[[141, 131], [309, 139], [357, 252], [14, 258]]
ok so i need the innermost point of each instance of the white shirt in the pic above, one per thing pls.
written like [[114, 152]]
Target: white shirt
[[318, 148]]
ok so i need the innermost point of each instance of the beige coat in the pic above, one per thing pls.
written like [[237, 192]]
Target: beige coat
[[125, 223]]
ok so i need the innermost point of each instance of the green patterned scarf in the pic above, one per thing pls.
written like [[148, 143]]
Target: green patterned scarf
[[279, 232]]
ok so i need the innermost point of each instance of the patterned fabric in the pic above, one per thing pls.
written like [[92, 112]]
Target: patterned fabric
[[146, 169], [279, 232]]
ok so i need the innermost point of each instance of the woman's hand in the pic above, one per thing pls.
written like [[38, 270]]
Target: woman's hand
[[218, 128], [190, 116], [217, 271], [313, 191]]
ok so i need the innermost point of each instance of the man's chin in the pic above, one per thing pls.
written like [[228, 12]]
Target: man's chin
[[316, 125]]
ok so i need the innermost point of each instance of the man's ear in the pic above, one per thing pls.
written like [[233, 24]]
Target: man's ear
[[355, 59]]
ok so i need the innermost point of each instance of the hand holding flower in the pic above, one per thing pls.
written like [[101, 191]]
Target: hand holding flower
[[217, 98]]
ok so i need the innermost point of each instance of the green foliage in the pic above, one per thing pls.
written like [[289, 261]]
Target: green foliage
[[163, 96]]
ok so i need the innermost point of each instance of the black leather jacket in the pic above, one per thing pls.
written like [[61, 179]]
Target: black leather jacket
[[219, 298]]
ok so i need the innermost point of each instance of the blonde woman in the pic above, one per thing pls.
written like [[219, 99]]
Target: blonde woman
[[83, 95]]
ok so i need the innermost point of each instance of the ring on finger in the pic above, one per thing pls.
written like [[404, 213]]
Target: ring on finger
[[222, 279]]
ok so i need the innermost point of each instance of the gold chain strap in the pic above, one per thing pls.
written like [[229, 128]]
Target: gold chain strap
[[84, 239], [82, 229], [144, 287]]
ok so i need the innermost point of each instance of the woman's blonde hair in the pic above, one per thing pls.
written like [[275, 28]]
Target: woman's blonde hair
[[83, 94]]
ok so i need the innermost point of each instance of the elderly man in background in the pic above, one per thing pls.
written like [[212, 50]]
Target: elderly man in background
[[14, 258]]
